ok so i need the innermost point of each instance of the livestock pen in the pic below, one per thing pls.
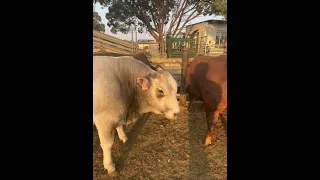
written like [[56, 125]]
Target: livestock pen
[[158, 148]]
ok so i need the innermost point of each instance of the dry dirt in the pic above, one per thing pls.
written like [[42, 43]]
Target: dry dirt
[[161, 149]]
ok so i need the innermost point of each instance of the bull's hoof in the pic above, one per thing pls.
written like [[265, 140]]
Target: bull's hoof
[[203, 143], [208, 140], [124, 140], [114, 173]]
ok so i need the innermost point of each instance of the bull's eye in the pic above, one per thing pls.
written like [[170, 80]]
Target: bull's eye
[[160, 93]]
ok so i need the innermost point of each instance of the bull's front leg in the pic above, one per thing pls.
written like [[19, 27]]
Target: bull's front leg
[[106, 135], [122, 135]]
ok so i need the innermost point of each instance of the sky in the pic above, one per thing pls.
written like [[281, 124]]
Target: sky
[[102, 11]]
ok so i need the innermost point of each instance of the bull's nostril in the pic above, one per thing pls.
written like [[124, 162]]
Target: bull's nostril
[[175, 114]]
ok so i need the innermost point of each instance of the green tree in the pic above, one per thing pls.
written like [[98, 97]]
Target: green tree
[[97, 25], [158, 17]]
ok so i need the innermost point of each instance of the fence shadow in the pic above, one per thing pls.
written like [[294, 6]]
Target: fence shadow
[[198, 157], [223, 122], [198, 162]]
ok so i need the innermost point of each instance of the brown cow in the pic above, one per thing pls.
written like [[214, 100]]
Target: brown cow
[[206, 79], [139, 56]]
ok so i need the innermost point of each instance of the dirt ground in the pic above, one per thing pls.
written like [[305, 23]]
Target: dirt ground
[[158, 148]]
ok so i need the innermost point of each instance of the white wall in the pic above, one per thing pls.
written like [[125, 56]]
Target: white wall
[[209, 30]]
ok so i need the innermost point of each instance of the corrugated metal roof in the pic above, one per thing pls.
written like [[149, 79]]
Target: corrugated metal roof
[[212, 21]]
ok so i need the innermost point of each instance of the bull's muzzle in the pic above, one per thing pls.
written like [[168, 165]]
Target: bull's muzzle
[[175, 116], [172, 117]]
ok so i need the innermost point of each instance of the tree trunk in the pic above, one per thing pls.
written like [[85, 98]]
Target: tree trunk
[[160, 39], [160, 43], [162, 47]]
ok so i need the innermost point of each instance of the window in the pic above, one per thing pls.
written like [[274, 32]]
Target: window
[[221, 38]]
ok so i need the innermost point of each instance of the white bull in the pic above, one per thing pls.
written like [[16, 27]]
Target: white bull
[[124, 89]]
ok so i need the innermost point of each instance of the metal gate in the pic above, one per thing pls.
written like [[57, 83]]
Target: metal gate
[[175, 46]]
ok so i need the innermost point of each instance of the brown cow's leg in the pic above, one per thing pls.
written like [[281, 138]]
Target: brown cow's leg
[[190, 107], [212, 119], [202, 107]]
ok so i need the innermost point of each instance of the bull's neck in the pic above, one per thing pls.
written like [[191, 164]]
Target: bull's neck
[[136, 104], [138, 107], [135, 110]]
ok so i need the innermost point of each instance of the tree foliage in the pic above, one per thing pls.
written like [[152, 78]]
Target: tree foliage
[[219, 7], [97, 25], [158, 17]]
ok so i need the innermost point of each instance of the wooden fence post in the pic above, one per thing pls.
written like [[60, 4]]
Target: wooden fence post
[[132, 46], [184, 66]]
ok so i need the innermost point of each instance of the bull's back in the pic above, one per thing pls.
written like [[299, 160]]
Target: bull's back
[[110, 54], [205, 70], [138, 56], [217, 71], [106, 84], [209, 68]]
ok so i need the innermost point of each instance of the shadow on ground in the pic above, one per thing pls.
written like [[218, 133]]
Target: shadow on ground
[[161, 149], [133, 134]]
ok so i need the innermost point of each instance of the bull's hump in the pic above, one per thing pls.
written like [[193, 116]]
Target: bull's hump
[[124, 67], [119, 61]]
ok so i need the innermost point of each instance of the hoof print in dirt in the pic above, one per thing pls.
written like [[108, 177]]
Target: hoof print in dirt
[[114, 173]]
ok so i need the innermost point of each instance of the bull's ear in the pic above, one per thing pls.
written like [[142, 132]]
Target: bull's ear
[[144, 83], [158, 68]]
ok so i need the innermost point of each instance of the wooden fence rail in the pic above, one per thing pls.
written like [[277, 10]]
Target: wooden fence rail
[[112, 44]]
